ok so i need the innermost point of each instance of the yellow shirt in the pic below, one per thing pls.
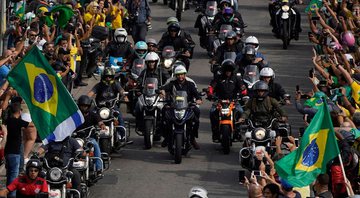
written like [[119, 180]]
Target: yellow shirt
[[117, 19], [100, 19], [355, 88], [73, 55]]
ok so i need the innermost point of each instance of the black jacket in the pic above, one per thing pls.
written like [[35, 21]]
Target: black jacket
[[187, 86], [220, 51], [227, 88], [276, 91], [124, 50], [161, 76], [180, 42]]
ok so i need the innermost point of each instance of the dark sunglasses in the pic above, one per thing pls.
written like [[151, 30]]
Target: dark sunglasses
[[34, 170]]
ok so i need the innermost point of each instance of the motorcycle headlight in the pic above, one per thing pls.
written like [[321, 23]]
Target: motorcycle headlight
[[104, 113], [80, 141], [167, 63], [285, 8], [150, 100], [179, 114], [55, 174], [260, 133]]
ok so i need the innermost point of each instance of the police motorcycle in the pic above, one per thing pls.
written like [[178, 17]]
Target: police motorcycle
[[151, 106], [58, 177], [205, 24], [86, 163], [179, 141], [109, 139], [285, 20], [260, 135]]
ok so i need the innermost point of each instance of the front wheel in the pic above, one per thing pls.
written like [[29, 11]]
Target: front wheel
[[105, 145], [148, 134], [178, 148], [178, 14], [285, 35], [225, 131]]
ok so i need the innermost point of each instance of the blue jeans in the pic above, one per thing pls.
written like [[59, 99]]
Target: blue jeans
[[12, 169], [97, 153]]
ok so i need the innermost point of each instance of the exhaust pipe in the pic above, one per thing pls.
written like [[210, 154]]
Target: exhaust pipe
[[244, 153]]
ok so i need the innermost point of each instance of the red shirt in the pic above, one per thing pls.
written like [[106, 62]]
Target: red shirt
[[26, 186]]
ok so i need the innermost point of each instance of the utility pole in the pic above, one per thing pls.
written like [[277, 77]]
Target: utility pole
[[2, 25]]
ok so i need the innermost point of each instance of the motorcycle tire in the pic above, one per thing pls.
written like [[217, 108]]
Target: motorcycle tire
[[178, 148], [179, 10], [225, 131], [285, 35], [105, 145], [165, 2], [149, 134]]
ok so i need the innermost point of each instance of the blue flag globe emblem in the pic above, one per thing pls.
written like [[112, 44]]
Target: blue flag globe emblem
[[43, 88], [311, 154]]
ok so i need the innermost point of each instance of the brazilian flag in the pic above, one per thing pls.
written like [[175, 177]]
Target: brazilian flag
[[52, 108], [318, 146], [313, 5]]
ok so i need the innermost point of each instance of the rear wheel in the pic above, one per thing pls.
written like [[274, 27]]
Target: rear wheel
[[285, 35], [178, 148], [226, 138], [148, 134]]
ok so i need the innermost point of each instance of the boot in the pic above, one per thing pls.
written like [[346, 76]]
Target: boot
[[215, 135]]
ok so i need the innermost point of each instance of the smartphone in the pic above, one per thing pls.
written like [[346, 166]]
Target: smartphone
[[257, 173], [297, 88], [285, 139], [351, 61], [242, 176], [297, 142], [311, 73]]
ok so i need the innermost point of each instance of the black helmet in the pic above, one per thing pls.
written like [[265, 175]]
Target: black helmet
[[228, 65], [84, 100], [33, 163], [250, 50], [174, 27], [230, 35], [261, 85]]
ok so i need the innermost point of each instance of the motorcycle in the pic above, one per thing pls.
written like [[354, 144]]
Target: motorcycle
[[216, 68], [251, 76], [179, 6], [179, 141], [151, 108], [109, 137], [260, 136], [285, 20], [59, 180], [131, 84], [168, 58], [86, 164], [204, 23], [220, 38]]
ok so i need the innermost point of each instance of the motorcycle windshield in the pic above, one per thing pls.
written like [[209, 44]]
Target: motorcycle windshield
[[116, 61], [211, 8], [168, 52], [251, 74], [223, 29], [138, 66], [180, 100], [150, 86], [230, 55]]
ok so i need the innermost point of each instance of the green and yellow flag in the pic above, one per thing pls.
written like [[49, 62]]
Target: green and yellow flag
[[52, 108], [313, 5], [318, 146]]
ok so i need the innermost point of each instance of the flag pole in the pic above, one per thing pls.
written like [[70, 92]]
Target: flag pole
[[343, 171]]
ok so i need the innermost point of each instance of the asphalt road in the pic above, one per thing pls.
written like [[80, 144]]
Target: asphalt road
[[139, 173]]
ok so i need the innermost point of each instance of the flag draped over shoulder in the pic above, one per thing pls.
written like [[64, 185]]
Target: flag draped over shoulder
[[52, 109], [318, 146], [313, 5]]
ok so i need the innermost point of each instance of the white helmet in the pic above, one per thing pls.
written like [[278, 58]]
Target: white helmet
[[252, 40], [180, 70], [120, 35], [267, 72], [198, 192], [152, 56]]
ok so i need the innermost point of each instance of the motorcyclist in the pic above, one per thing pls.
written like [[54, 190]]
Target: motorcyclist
[[229, 46], [227, 17], [152, 45], [253, 41], [176, 64], [227, 87], [262, 108], [152, 71], [30, 184], [91, 119], [227, 3], [120, 46], [181, 84], [176, 38], [275, 89], [141, 49], [248, 57], [275, 18], [108, 89]]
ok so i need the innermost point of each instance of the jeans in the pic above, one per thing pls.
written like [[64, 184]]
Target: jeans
[[139, 31], [97, 153], [12, 169]]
